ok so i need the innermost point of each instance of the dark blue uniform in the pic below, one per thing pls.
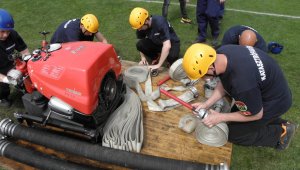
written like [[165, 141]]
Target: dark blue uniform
[[151, 40], [231, 36], [208, 12], [7, 48], [256, 82], [70, 31]]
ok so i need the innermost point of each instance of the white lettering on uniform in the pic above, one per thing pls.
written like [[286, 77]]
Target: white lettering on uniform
[[250, 28], [258, 62], [10, 47], [67, 23]]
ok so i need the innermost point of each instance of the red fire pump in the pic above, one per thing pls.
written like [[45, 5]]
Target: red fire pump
[[74, 86]]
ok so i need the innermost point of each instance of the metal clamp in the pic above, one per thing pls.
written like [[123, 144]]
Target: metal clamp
[[202, 113], [154, 73]]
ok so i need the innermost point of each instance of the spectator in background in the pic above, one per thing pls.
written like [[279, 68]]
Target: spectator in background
[[208, 12], [244, 35], [84, 29], [184, 17], [222, 11]]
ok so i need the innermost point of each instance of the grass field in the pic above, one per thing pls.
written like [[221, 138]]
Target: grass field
[[32, 17]]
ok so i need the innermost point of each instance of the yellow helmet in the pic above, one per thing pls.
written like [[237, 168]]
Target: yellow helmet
[[197, 58], [90, 23], [138, 17]]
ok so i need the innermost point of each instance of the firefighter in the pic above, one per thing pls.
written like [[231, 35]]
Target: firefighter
[[256, 83], [10, 41], [244, 35], [157, 38], [84, 29]]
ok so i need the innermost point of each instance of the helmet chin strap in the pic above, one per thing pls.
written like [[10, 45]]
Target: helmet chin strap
[[214, 71]]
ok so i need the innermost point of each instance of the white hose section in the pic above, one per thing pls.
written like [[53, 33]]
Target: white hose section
[[132, 79], [187, 123], [215, 136], [176, 71], [124, 128]]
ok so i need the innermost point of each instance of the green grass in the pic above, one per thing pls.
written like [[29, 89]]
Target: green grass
[[34, 16]]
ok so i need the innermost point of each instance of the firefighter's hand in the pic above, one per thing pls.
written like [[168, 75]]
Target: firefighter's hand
[[212, 118], [198, 106], [143, 62], [13, 76], [154, 67], [7, 81]]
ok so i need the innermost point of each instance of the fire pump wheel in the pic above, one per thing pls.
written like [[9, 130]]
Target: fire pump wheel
[[109, 90]]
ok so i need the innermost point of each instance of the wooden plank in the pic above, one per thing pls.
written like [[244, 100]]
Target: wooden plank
[[162, 137]]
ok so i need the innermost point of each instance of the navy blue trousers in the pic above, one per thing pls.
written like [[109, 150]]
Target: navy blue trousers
[[263, 132], [152, 51], [208, 12], [4, 88]]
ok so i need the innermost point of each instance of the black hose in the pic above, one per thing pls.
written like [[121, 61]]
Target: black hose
[[96, 152], [36, 159]]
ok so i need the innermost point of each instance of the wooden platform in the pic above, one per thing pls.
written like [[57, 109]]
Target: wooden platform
[[162, 138]]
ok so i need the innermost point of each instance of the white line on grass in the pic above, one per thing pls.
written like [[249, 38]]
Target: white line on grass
[[229, 9]]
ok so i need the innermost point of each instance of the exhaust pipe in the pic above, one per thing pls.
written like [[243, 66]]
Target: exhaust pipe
[[35, 159], [97, 152]]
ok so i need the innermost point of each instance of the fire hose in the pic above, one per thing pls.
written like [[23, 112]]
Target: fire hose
[[124, 128], [96, 152], [214, 136], [136, 74], [34, 158]]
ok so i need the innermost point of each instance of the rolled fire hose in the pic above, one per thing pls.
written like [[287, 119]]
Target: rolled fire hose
[[215, 136], [187, 123], [96, 152], [124, 128], [177, 73], [135, 75], [205, 136], [36, 159]]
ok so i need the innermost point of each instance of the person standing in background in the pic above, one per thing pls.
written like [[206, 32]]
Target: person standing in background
[[184, 17], [208, 12]]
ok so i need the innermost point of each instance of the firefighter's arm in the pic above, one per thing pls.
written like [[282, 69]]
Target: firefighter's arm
[[100, 37], [25, 52], [217, 94], [4, 79], [214, 117], [164, 54], [239, 116]]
